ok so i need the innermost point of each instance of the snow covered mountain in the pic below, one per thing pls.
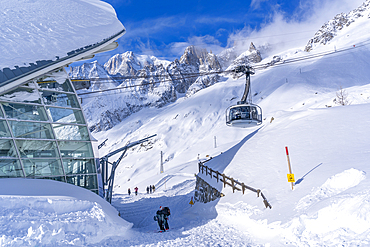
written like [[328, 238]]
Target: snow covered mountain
[[341, 21], [162, 81]]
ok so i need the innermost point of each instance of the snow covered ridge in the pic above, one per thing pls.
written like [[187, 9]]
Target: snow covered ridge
[[50, 29], [330, 29]]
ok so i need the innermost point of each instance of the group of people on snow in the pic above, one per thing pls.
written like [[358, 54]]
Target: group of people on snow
[[150, 189]]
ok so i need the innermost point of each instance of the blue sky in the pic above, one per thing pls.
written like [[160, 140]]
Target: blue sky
[[165, 28]]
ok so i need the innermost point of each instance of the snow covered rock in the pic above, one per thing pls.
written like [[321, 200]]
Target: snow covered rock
[[330, 29], [251, 56]]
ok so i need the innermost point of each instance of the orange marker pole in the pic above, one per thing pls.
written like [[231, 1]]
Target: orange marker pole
[[290, 169]]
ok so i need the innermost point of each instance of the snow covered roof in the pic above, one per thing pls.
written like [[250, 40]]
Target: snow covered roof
[[39, 36]]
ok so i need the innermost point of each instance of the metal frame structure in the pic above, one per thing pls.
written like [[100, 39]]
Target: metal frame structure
[[109, 181], [244, 113]]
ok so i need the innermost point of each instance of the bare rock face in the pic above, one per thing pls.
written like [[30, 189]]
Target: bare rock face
[[204, 192]]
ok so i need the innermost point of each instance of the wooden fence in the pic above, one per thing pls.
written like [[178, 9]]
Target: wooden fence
[[230, 181]]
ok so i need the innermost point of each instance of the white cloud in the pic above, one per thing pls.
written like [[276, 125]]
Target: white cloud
[[255, 4], [284, 32], [213, 20], [152, 26]]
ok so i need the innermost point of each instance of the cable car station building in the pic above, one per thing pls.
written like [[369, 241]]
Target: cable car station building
[[43, 131]]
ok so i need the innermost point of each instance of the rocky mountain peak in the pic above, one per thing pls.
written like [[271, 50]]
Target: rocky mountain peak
[[331, 28]]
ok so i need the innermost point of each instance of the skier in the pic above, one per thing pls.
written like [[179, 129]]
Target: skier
[[129, 191], [153, 188], [136, 190], [147, 189], [162, 217], [150, 189]]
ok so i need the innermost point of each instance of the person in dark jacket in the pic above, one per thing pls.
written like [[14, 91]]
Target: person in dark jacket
[[147, 189], [161, 217], [129, 191]]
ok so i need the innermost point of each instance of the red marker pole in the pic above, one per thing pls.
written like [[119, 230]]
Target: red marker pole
[[290, 169]]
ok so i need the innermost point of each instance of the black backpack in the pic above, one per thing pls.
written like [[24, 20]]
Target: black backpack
[[166, 211]]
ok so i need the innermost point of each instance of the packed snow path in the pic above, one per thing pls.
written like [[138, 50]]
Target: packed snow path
[[189, 225]]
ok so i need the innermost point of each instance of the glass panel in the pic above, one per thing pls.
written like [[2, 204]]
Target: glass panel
[[42, 167], [65, 115], [59, 99], [66, 87], [31, 130], [76, 149], [4, 130], [37, 149], [74, 166], [71, 132], [1, 113], [25, 112], [7, 149], [86, 181], [10, 168], [22, 95], [60, 179]]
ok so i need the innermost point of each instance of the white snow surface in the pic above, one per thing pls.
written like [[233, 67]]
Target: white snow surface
[[329, 153], [45, 29]]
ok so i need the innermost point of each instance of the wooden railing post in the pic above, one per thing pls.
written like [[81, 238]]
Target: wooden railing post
[[233, 183]]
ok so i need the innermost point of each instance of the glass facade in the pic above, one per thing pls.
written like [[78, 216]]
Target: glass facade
[[44, 135]]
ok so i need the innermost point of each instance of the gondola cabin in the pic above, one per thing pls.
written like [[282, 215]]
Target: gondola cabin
[[243, 115]]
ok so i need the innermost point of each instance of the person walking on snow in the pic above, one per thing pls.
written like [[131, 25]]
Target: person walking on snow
[[147, 189], [150, 189], [153, 188], [162, 218], [129, 191], [136, 190]]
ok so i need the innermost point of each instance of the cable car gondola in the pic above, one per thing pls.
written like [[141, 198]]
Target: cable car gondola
[[244, 113]]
